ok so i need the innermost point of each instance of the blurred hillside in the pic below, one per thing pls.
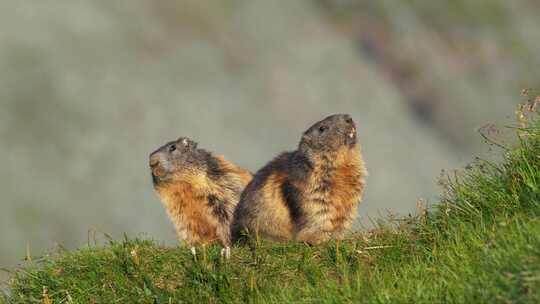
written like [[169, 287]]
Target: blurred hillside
[[89, 89]]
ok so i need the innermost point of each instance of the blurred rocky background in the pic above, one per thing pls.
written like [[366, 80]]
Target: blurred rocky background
[[89, 89]]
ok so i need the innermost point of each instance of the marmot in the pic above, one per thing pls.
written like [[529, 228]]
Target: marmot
[[199, 191], [311, 194]]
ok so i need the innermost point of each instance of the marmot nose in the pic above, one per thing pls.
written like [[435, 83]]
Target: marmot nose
[[154, 161], [348, 119]]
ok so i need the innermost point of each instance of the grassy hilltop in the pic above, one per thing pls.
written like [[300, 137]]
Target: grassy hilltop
[[480, 245]]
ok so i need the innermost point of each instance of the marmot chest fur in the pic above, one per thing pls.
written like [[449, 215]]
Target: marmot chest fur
[[310, 194], [199, 190]]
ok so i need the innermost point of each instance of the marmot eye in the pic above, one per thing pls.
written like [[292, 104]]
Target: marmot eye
[[172, 148], [322, 129]]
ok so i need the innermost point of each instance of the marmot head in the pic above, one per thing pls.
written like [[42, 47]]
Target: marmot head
[[329, 135], [176, 160]]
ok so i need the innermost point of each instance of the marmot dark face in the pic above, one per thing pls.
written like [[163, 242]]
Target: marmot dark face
[[175, 158], [329, 134]]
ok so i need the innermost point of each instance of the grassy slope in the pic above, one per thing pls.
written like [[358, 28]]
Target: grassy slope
[[481, 245]]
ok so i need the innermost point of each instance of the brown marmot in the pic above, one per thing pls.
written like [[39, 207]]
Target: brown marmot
[[311, 194], [199, 191]]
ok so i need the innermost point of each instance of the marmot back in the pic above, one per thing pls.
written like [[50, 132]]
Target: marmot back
[[199, 191], [310, 194]]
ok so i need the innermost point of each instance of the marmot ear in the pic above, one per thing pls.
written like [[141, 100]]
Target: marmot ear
[[186, 142]]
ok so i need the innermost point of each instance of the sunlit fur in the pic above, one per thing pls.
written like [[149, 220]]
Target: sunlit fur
[[200, 204], [309, 195]]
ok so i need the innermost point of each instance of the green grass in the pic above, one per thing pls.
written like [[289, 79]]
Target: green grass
[[480, 245]]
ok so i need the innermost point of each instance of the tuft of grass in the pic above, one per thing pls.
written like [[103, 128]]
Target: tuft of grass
[[481, 244]]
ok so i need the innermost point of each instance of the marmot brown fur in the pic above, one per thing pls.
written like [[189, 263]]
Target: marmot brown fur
[[199, 191], [311, 194]]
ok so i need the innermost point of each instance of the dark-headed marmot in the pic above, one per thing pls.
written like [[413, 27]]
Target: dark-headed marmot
[[199, 191], [311, 194]]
